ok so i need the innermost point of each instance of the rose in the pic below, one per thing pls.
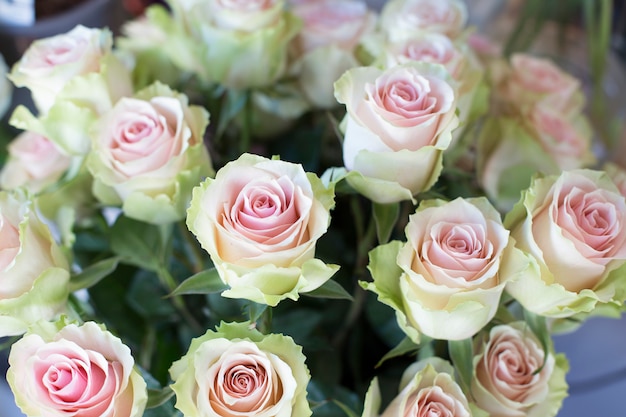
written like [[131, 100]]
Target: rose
[[237, 371], [573, 228], [242, 44], [398, 123], [148, 153], [5, 88], [59, 369], [260, 220], [35, 273], [50, 63], [325, 46], [399, 17], [528, 79], [427, 389], [34, 163], [567, 140], [450, 273], [513, 376]]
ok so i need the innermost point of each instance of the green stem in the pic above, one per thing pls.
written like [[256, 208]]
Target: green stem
[[170, 283], [246, 135], [147, 347], [194, 251]]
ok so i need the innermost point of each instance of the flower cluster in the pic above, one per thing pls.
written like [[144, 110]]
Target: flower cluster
[[268, 207]]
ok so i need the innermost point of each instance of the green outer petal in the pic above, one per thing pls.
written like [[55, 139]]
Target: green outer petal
[[386, 274], [46, 299], [378, 190], [373, 400]]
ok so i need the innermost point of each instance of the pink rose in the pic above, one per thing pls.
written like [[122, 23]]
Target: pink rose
[[75, 371], [148, 153], [398, 123], [573, 227], [452, 269], [566, 140], [513, 377], [260, 220], [34, 162], [50, 63], [402, 17]]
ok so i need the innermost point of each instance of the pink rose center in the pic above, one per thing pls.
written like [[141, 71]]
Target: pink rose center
[[405, 99], [243, 380], [431, 402]]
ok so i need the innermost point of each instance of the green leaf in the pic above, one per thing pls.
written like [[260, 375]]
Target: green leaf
[[91, 275], [137, 243], [330, 289], [255, 311], [406, 346], [204, 282], [347, 410], [539, 327], [232, 105], [146, 297], [461, 353], [386, 216], [158, 397]]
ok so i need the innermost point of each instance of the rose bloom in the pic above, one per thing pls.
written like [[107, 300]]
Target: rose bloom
[[148, 153], [451, 271], [243, 44], [427, 389], [528, 79], [237, 371], [260, 220], [50, 63], [398, 123], [402, 17], [35, 273], [34, 162], [67, 370], [514, 378], [567, 140], [572, 226], [325, 46]]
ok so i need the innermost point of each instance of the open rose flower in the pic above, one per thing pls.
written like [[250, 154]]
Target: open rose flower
[[50, 63], [427, 389], [528, 80], [260, 220], [574, 228], [450, 273], [34, 271], [148, 154], [326, 45], [398, 123], [67, 370], [402, 17], [237, 371], [513, 377], [34, 162]]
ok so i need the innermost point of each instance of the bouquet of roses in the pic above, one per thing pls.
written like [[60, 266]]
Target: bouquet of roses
[[286, 208]]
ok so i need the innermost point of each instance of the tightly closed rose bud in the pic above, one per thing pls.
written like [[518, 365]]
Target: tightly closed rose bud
[[240, 372], [573, 226], [34, 163], [513, 377], [427, 389], [63, 370], [260, 220], [450, 273], [398, 123], [34, 271], [148, 154], [402, 17]]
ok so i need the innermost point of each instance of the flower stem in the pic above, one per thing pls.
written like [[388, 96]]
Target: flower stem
[[170, 283]]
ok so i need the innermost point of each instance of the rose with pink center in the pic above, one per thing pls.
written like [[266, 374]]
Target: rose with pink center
[[70, 370], [514, 376], [260, 220], [50, 63], [573, 227], [451, 271], [147, 154], [34, 162], [398, 123], [237, 371], [400, 18]]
